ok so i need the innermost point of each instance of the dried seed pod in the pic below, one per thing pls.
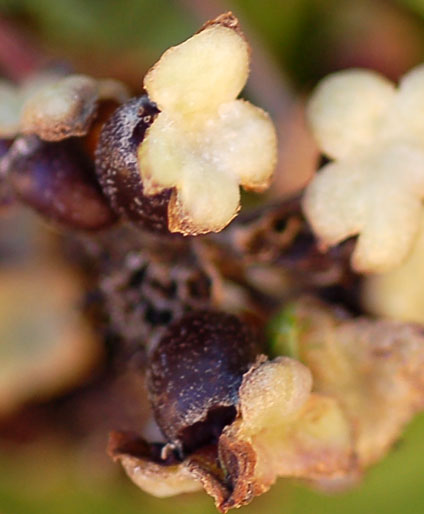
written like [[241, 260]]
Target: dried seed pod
[[57, 180], [194, 377], [117, 165]]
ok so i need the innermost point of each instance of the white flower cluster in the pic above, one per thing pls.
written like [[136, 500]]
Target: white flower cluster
[[374, 187]]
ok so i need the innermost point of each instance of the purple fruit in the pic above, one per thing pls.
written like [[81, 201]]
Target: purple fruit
[[58, 181], [194, 376]]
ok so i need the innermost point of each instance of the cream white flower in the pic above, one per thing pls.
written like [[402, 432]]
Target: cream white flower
[[375, 185], [399, 294], [205, 142], [53, 106]]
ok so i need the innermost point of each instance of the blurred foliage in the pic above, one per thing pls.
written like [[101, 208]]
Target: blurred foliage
[[283, 333], [415, 5], [104, 24], [308, 38]]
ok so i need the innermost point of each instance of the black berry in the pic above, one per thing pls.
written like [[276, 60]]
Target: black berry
[[194, 376], [117, 166]]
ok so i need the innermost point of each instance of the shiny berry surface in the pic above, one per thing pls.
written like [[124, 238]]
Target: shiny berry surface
[[117, 166], [58, 181], [194, 376]]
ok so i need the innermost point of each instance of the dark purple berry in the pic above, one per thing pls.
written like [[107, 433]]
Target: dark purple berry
[[58, 181], [194, 376], [117, 166]]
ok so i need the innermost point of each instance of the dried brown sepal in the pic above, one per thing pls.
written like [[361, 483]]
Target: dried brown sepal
[[375, 369], [62, 109], [167, 476], [279, 234], [271, 256], [226, 19]]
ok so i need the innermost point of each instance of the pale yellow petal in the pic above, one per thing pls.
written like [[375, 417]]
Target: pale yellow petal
[[198, 75], [332, 202], [347, 109], [208, 197], [243, 141]]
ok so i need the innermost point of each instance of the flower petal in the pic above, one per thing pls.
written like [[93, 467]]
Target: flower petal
[[378, 197], [399, 294], [283, 430], [243, 141], [404, 119], [373, 368], [206, 201], [392, 223], [332, 202], [347, 109], [198, 75], [161, 155]]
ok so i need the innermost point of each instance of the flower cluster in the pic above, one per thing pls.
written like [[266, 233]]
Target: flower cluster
[[238, 397], [375, 186], [324, 420]]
